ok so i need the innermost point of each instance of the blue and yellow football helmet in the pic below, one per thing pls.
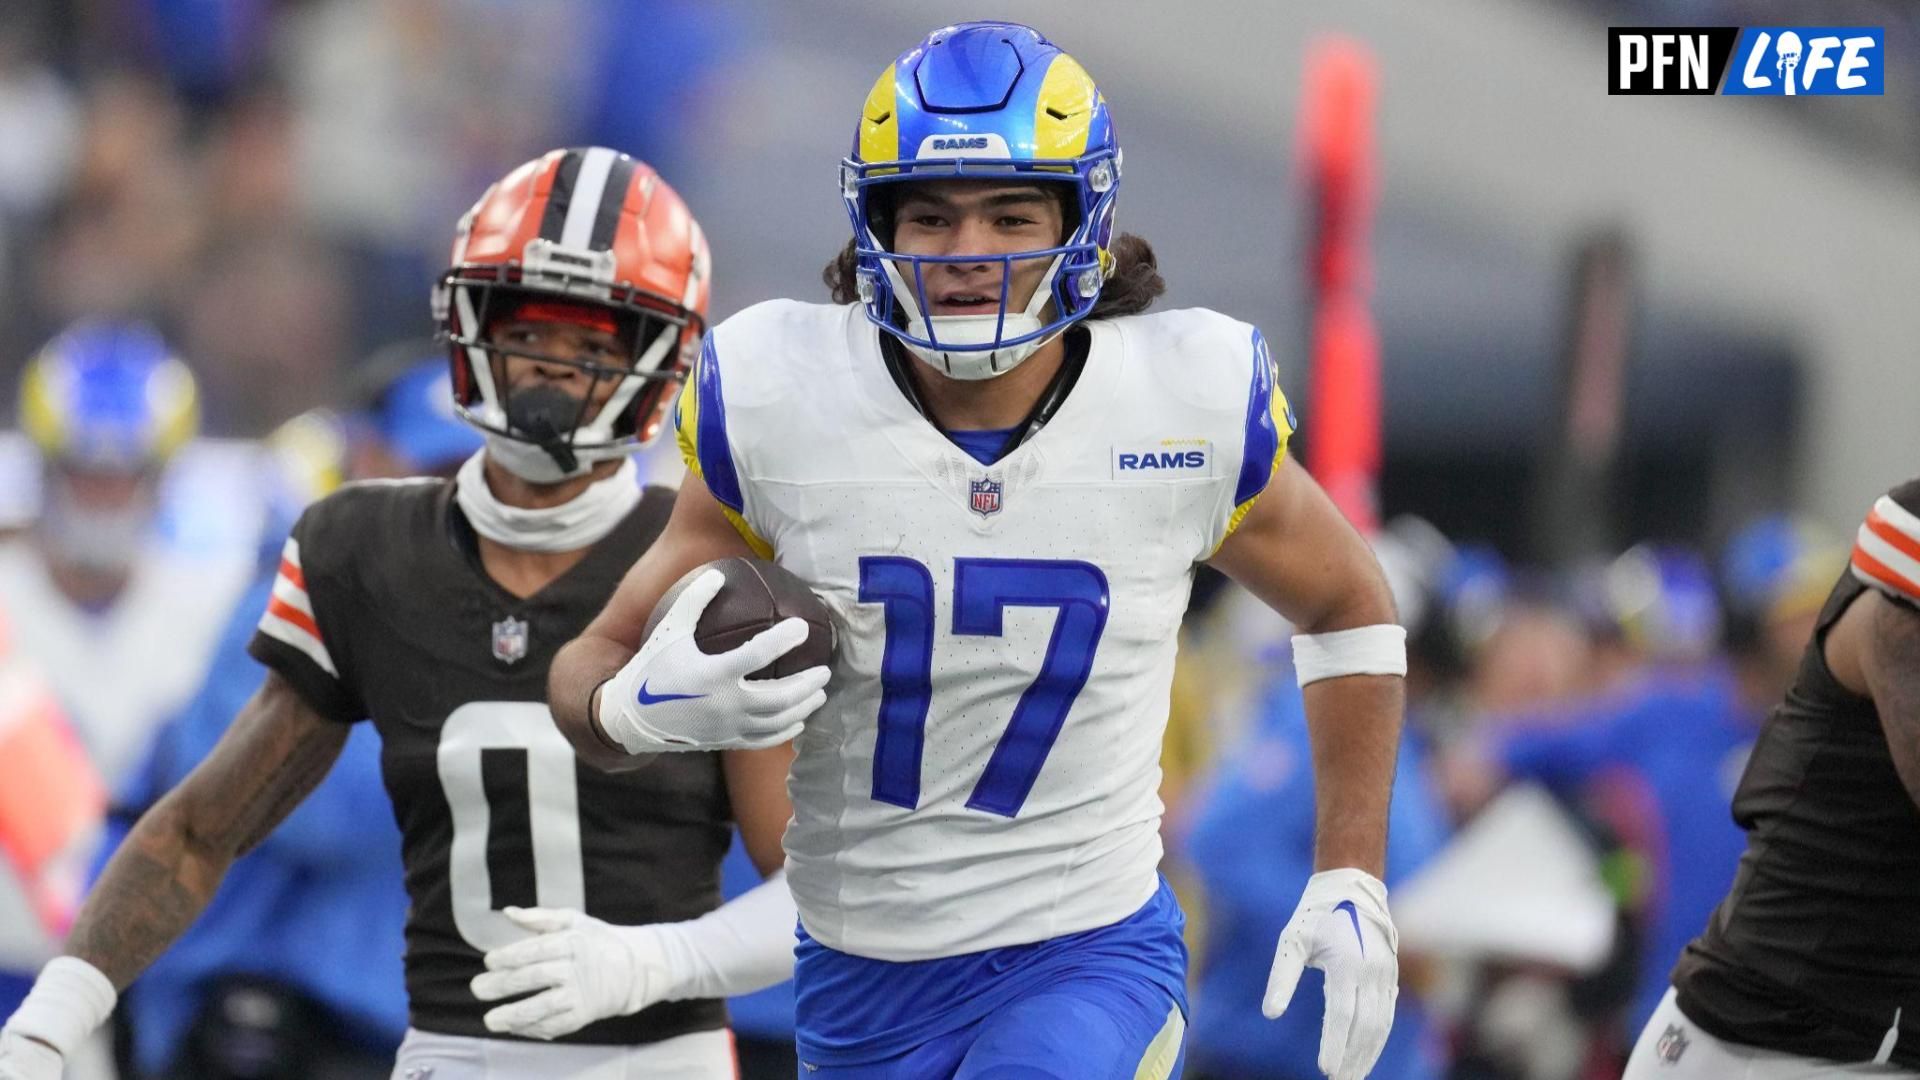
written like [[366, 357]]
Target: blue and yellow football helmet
[[1661, 600], [991, 100], [1774, 569], [108, 396]]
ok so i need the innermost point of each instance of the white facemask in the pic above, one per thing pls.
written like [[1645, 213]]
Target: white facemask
[[580, 522]]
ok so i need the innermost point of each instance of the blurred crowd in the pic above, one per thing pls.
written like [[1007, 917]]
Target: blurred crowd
[[1560, 825], [216, 215], [270, 182]]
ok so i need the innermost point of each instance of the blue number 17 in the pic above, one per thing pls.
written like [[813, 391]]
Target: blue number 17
[[982, 590]]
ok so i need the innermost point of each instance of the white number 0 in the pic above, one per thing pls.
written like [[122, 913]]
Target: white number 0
[[553, 812]]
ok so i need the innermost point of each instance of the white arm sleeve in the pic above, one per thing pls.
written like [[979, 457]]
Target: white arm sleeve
[[744, 945]]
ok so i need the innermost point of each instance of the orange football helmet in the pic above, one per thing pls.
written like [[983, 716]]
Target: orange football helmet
[[589, 227]]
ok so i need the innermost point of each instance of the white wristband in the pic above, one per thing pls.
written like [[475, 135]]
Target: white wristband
[[69, 999], [742, 946], [1380, 649]]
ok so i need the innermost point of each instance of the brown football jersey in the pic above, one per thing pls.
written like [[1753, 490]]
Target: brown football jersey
[[382, 612], [1816, 949]]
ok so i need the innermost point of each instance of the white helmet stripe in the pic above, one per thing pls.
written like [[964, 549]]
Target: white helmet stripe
[[583, 206]]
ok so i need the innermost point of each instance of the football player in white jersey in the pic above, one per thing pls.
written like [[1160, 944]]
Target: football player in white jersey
[[1001, 476]]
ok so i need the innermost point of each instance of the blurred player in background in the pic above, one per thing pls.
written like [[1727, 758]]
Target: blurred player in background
[[108, 405], [575, 301], [1674, 738], [1002, 477], [294, 969], [1811, 964], [51, 807], [92, 586]]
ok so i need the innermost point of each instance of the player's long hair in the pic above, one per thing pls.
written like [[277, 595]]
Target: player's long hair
[[1132, 287]]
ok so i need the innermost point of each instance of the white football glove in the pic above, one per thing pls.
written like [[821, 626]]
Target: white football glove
[[587, 970], [1342, 928], [69, 999], [672, 696]]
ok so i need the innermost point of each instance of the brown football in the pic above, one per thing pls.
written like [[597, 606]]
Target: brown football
[[757, 595]]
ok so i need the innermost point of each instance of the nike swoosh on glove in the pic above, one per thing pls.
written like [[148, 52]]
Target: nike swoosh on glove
[[22, 1058], [583, 969], [698, 701], [1341, 926]]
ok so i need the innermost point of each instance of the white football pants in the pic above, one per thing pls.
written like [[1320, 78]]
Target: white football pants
[[425, 1055], [1672, 1047]]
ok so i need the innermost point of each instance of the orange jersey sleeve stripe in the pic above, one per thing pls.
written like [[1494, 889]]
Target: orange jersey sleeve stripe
[[294, 615], [1893, 535], [1878, 573], [291, 571]]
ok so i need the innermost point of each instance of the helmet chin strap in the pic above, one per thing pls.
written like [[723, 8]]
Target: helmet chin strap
[[972, 364], [532, 462]]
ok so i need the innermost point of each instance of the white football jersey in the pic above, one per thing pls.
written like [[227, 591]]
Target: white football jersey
[[122, 672], [985, 771]]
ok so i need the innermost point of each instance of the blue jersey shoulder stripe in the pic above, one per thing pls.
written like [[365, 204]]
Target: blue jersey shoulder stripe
[[1263, 439], [710, 435]]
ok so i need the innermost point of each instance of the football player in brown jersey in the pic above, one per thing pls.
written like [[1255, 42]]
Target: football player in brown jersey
[[1811, 964], [575, 303]]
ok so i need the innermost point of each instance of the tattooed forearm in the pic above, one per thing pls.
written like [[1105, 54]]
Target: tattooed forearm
[[147, 897], [276, 752], [1893, 673], [291, 780]]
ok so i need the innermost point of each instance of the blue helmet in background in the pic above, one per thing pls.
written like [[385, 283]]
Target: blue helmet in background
[[1776, 568], [985, 100], [1661, 599], [413, 416], [108, 396], [108, 405]]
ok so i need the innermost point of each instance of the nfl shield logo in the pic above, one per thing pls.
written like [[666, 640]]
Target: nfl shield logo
[[986, 497], [1671, 1045], [510, 640]]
